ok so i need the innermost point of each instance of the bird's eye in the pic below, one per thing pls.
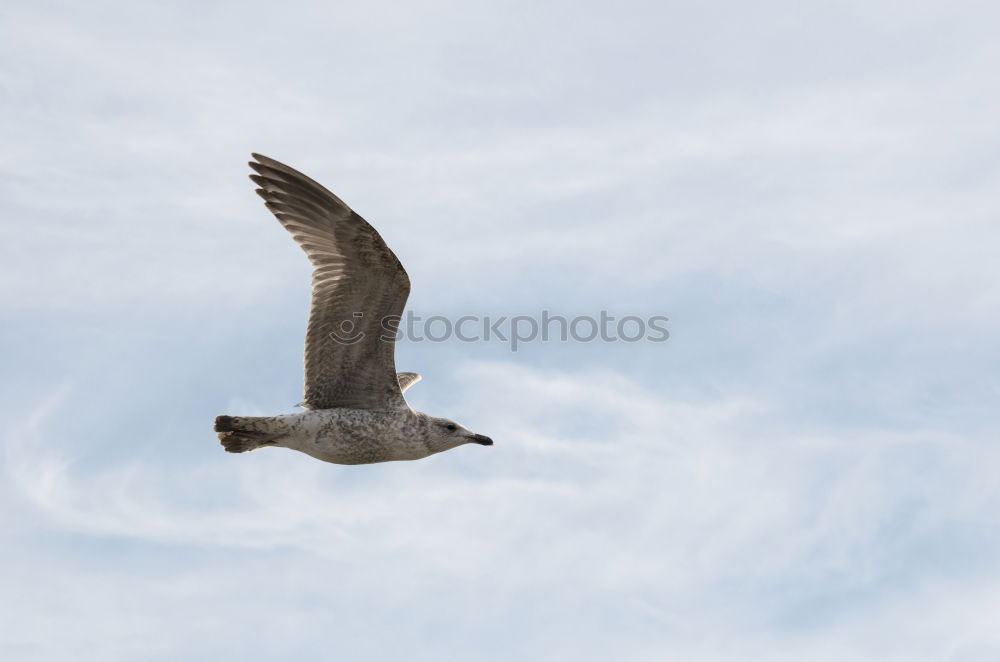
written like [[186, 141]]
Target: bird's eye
[[451, 427]]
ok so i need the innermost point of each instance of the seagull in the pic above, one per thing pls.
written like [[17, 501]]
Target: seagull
[[355, 410]]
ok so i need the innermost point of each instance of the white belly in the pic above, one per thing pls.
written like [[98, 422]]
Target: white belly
[[352, 436]]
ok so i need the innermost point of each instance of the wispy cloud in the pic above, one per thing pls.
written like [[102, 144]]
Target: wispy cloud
[[681, 515], [802, 472]]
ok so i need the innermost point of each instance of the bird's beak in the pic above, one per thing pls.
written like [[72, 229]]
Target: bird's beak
[[482, 440]]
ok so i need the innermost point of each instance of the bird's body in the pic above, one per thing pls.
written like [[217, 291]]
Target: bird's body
[[356, 410], [341, 436]]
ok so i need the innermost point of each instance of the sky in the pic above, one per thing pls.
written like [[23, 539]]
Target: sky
[[806, 469]]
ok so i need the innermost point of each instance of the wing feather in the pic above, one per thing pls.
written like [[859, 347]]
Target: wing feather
[[357, 283]]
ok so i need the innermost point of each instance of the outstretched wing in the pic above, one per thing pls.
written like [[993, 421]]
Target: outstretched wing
[[407, 379], [357, 286]]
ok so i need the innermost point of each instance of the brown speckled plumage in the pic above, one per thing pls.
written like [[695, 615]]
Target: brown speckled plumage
[[357, 413]]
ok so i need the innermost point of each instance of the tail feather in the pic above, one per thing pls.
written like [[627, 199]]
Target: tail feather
[[238, 436]]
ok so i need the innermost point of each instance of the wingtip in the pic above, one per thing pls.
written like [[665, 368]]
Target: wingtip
[[260, 159]]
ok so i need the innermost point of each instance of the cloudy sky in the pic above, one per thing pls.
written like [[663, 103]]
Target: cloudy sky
[[806, 470]]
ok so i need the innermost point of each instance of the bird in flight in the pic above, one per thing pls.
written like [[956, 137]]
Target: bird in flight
[[355, 410]]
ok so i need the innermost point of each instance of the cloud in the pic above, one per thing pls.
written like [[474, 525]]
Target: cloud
[[802, 472], [684, 519]]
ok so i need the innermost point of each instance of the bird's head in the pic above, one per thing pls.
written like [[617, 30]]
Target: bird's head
[[444, 434]]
